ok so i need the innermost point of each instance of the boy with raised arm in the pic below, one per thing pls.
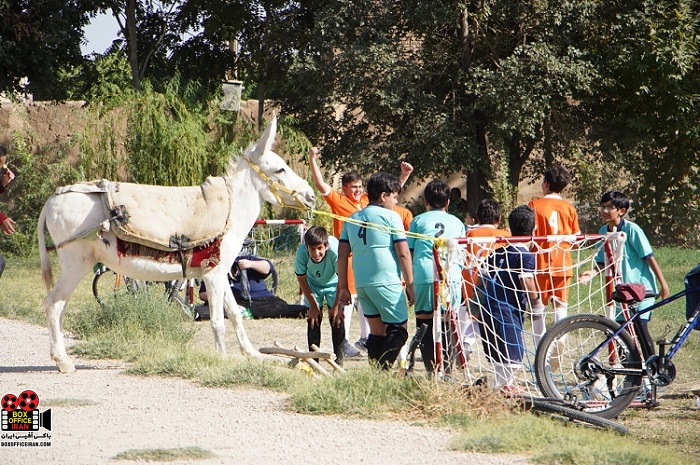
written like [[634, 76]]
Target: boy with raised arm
[[377, 240], [351, 199], [316, 266]]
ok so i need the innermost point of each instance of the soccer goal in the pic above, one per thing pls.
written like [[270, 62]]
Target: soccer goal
[[471, 335]]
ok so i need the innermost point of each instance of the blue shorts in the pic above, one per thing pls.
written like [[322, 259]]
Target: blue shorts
[[424, 297], [502, 333], [385, 302]]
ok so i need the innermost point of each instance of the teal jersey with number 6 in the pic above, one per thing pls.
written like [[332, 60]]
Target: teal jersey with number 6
[[321, 276], [374, 261]]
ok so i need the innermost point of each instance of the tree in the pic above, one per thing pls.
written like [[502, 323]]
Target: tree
[[448, 86], [39, 40], [646, 111]]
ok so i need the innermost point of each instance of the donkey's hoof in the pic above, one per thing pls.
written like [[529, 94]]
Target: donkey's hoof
[[66, 366]]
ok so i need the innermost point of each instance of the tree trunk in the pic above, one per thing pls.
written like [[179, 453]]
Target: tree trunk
[[131, 44]]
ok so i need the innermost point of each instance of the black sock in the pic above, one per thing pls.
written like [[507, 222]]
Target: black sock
[[396, 337], [427, 345], [313, 335], [375, 347], [338, 336]]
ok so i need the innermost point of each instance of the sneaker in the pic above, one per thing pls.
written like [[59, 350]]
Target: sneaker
[[361, 344], [511, 390], [349, 350]]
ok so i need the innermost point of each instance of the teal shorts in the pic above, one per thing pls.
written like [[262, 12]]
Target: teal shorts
[[325, 295], [424, 297], [385, 302]]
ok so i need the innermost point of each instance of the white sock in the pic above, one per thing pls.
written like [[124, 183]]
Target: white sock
[[347, 311], [560, 311], [538, 328], [364, 324]]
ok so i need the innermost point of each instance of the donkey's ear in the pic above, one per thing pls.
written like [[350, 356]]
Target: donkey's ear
[[267, 140]]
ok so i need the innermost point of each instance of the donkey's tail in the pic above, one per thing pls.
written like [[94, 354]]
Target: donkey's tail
[[46, 273]]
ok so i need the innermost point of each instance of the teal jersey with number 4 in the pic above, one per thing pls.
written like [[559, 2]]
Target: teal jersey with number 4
[[374, 261]]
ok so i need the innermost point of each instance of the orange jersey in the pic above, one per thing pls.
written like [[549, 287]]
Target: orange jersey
[[342, 205], [478, 252], [554, 216], [406, 216]]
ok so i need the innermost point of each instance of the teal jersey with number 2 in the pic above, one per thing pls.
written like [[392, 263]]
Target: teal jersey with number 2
[[374, 261], [434, 223]]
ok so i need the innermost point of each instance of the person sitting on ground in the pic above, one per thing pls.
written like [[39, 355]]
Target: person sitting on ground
[[250, 290], [316, 267]]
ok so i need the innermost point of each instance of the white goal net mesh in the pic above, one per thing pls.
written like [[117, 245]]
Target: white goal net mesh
[[494, 323]]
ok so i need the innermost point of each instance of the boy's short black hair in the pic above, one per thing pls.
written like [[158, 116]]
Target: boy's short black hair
[[3, 151], [382, 183], [557, 177], [437, 193], [618, 199], [522, 220], [488, 212], [350, 176], [315, 236]]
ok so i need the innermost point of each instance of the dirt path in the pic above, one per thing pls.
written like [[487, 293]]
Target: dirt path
[[243, 426]]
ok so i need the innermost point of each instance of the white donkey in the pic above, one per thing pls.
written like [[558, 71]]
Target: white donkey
[[83, 229]]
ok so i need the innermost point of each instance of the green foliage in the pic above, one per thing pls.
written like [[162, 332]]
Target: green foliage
[[172, 138], [38, 174]]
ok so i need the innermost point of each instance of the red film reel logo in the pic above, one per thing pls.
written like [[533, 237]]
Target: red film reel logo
[[9, 402], [28, 401]]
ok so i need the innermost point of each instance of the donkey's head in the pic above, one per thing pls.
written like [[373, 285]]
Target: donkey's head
[[279, 184]]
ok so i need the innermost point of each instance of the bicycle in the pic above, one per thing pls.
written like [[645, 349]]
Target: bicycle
[[108, 287], [600, 364]]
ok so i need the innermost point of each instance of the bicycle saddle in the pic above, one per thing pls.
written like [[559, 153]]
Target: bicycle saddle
[[628, 293]]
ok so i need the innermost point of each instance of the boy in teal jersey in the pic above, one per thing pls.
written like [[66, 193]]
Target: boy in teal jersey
[[435, 222], [375, 235], [316, 266], [638, 263]]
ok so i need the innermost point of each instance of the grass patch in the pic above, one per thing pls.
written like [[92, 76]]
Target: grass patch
[[152, 334], [165, 455], [551, 442], [368, 393]]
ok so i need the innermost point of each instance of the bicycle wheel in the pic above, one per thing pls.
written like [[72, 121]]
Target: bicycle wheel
[[575, 415], [107, 286], [182, 292], [565, 369]]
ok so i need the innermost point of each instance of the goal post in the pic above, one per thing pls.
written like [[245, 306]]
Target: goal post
[[516, 337]]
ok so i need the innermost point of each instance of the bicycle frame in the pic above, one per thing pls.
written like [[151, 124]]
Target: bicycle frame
[[657, 367]]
